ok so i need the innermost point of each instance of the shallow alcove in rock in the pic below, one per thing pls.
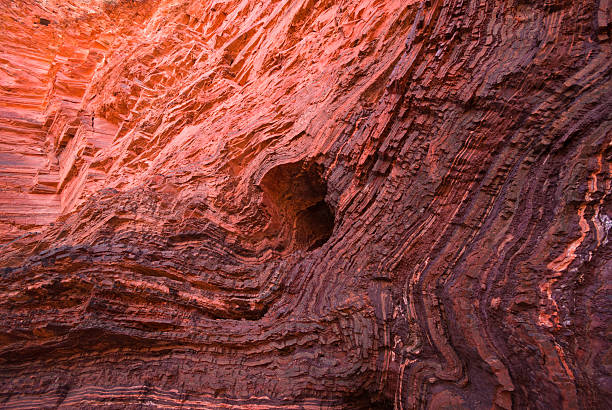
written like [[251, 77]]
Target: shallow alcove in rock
[[294, 194]]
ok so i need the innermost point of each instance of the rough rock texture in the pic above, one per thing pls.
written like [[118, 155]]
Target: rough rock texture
[[306, 204]]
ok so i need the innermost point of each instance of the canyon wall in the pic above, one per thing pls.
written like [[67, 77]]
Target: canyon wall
[[305, 204]]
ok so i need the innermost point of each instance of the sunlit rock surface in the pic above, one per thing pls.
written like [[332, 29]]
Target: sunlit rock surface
[[305, 204]]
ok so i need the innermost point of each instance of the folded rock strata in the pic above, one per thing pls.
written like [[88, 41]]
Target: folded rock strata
[[305, 204]]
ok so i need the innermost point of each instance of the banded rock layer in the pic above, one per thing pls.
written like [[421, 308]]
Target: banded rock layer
[[305, 204]]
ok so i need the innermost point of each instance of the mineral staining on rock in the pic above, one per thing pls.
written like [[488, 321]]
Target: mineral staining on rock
[[305, 204]]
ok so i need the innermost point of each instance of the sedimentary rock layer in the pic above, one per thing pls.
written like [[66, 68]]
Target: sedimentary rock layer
[[305, 204]]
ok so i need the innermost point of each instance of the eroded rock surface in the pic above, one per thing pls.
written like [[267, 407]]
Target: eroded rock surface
[[305, 204]]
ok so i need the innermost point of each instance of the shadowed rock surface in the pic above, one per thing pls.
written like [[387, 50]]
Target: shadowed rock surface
[[305, 204]]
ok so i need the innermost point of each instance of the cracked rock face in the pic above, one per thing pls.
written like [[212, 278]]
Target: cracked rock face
[[305, 204]]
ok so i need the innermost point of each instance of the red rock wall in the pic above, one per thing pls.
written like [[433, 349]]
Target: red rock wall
[[305, 204]]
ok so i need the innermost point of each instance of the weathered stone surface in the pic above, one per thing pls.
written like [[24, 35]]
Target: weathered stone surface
[[305, 204]]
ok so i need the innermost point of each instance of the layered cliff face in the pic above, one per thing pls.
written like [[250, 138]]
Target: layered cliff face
[[305, 204]]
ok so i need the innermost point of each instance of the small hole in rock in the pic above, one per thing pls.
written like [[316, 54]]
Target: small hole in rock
[[44, 22], [294, 194], [314, 226]]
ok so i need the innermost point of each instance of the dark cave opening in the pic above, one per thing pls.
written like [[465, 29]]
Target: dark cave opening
[[294, 194], [314, 226]]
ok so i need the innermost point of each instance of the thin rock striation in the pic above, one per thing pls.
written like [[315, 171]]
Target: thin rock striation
[[305, 204]]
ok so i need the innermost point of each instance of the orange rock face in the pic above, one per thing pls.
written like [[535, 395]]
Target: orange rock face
[[305, 204]]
